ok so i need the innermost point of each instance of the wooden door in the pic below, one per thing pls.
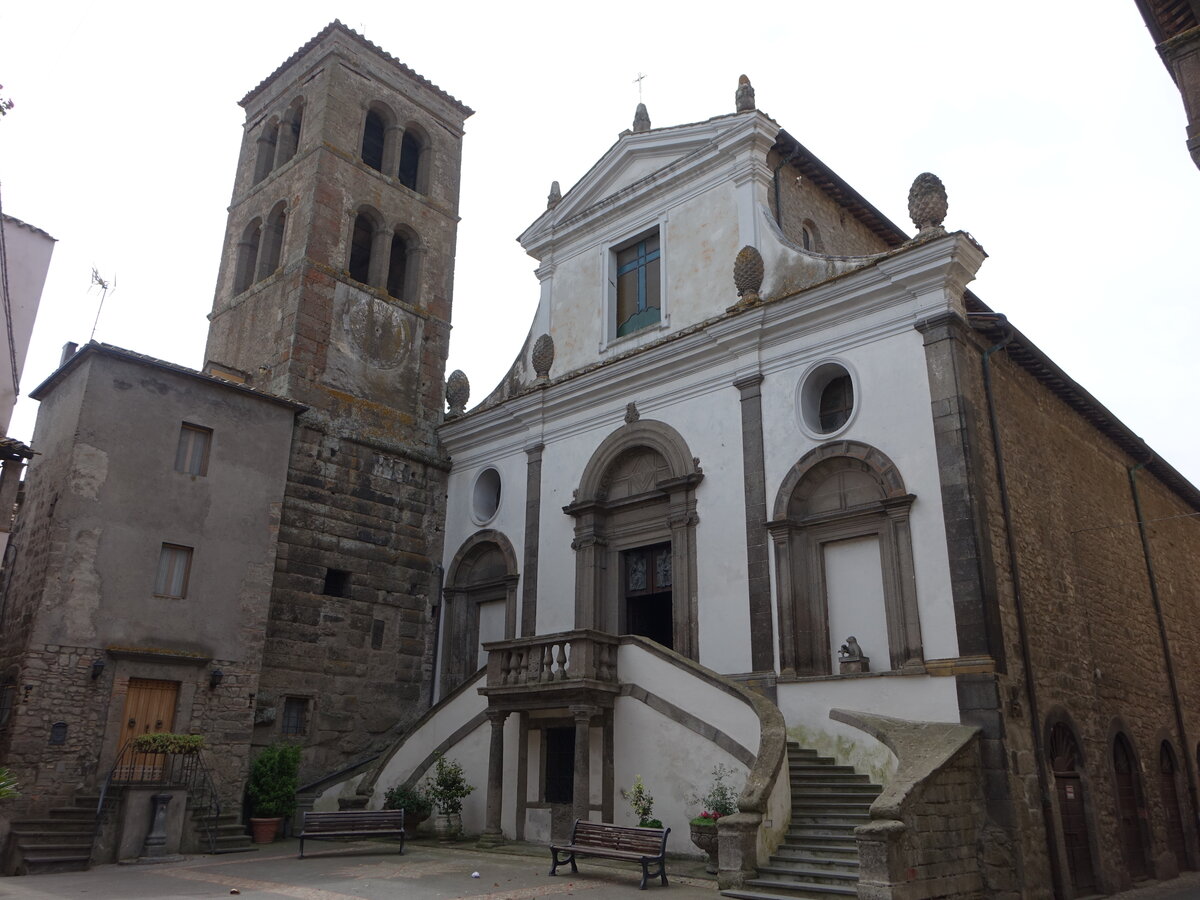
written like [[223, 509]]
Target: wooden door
[[1128, 823], [1170, 799], [1064, 760], [149, 707]]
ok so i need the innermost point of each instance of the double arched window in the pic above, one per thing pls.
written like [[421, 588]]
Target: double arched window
[[260, 251], [383, 257], [401, 152], [278, 141]]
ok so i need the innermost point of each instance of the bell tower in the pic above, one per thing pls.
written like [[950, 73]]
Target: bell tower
[[335, 291]]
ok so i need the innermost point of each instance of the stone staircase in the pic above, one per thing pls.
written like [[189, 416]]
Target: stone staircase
[[60, 842], [229, 835], [818, 859]]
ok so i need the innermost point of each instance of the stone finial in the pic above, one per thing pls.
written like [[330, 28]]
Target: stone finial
[[631, 413], [641, 119], [543, 355], [748, 274], [927, 203], [555, 197], [458, 391], [744, 95]]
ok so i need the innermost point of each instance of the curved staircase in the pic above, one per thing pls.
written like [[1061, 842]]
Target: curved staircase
[[818, 857]]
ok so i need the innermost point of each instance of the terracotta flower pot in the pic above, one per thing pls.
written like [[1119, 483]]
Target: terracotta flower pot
[[264, 830], [705, 837]]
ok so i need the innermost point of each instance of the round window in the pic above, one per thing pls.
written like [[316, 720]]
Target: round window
[[826, 398], [485, 498]]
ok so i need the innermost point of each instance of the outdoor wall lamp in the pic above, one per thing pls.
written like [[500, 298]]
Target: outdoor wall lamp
[[97, 668], [215, 677]]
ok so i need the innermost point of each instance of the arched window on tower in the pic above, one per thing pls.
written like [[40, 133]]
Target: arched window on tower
[[247, 256], [412, 149], [360, 248], [398, 267], [374, 134], [289, 133], [265, 160], [272, 242]]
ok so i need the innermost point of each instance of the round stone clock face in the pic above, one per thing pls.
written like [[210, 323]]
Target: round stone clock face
[[377, 329]]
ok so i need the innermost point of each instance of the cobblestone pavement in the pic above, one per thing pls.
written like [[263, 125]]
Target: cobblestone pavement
[[361, 871], [426, 871]]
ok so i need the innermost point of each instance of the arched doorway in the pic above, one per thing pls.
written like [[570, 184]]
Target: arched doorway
[[1065, 764], [1133, 848], [635, 537], [479, 604], [1169, 790]]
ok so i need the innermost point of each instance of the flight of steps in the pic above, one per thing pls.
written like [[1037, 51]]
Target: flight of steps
[[818, 858], [231, 836], [60, 842]]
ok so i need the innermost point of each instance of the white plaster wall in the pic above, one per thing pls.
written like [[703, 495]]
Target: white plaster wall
[[892, 413], [445, 720], [674, 763], [28, 260], [854, 590], [806, 705], [710, 704]]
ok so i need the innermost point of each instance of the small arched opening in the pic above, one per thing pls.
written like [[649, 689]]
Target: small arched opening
[[247, 256]]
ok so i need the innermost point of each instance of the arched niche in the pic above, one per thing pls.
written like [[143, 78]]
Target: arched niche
[[840, 508], [1072, 803], [635, 536], [481, 579]]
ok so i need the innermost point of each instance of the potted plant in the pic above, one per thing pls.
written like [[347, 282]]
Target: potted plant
[[642, 804], [8, 784], [719, 801], [417, 807], [446, 789], [272, 789]]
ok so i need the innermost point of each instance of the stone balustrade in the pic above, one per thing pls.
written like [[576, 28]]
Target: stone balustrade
[[548, 660]]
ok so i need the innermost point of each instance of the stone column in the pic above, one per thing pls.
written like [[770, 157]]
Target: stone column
[[492, 834], [533, 518], [381, 257], [762, 638], [581, 795]]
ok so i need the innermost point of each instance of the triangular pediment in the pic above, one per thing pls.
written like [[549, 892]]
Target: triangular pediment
[[633, 160]]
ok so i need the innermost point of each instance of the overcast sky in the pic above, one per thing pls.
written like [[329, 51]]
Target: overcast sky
[[1054, 125]]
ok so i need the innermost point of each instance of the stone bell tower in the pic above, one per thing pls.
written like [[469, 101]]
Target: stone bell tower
[[334, 291]]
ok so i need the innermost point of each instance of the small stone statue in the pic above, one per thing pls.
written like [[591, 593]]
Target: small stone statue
[[745, 95], [641, 119], [631, 413], [851, 659]]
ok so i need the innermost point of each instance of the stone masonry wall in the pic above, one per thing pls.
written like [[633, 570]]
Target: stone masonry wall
[[362, 660], [1098, 660]]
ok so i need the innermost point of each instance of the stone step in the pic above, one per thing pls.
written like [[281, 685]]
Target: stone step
[[816, 894], [816, 859], [842, 850], [819, 768], [848, 819], [802, 888], [23, 833], [808, 875], [852, 784], [39, 863], [832, 799]]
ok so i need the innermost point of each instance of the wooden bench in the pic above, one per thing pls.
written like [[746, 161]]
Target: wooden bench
[[352, 823], [647, 846]]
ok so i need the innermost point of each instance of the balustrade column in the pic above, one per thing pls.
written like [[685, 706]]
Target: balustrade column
[[582, 793], [492, 833]]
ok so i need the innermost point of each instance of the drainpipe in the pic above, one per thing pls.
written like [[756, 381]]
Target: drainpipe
[[437, 635], [1022, 627], [1162, 633]]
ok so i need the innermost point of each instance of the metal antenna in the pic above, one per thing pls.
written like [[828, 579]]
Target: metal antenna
[[104, 286]]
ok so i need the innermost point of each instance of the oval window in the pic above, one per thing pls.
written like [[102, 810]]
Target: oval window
[[827, 399], [485, 498]]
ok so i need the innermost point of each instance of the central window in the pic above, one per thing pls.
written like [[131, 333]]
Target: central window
[[639, 286]]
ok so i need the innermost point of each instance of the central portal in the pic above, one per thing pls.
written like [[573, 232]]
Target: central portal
[[646, 605]]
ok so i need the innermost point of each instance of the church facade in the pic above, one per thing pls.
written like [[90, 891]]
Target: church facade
[[765, 483]]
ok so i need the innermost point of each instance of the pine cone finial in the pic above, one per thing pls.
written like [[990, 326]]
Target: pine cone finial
[[748, 271], [745, 95], [927, 203], [543, 356], [458, 392], [641, 119]]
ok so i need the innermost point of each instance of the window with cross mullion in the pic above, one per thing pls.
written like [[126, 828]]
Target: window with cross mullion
[[638, 285]]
